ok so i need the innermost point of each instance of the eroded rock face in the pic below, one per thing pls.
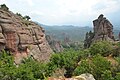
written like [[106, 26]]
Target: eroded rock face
[[22, 37], [103, 30], [54, 44]]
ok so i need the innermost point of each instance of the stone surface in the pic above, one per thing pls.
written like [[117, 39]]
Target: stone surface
[[54, 44], [103, 30], [22, 37], [85, 76]]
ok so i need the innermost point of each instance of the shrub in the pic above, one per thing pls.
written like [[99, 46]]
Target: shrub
[[107, 75], [117, 77], [104, 48], [20, 15], [4, 7], [96, 66], [26, 17], [7, 67], [29, 69], [67, 59], [84, 67]]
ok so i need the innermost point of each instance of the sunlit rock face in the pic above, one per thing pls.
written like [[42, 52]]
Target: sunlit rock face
[[85, 76], [22, 37], [103, 30]]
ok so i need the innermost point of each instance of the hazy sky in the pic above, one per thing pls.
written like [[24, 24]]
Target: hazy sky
[[66, 12]]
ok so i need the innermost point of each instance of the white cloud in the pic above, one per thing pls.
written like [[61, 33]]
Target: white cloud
[[78, 12], [2, 1], [109, 7], [30, 2]]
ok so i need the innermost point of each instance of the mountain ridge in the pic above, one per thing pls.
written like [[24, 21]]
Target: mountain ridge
[[79, 31]]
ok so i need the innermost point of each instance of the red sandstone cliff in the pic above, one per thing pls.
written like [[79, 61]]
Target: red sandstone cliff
[[22, 37]]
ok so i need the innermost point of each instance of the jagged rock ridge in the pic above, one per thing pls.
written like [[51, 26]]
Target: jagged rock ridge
[[22, 37], [103, 30]]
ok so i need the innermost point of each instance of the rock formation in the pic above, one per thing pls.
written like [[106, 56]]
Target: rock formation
[[22, 37], [54, 44], [85, 76], [119, 36], [103, 30]]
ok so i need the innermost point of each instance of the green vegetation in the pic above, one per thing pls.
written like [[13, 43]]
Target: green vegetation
[[96, 60], [4, 7], [102, 59], [27, 70], [97, 66], [104, 48], [18, 14], [26, 17]]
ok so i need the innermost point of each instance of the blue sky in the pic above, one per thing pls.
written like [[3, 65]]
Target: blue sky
[[66, 12]]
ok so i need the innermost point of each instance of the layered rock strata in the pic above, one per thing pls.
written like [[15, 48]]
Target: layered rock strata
[[22, 37]]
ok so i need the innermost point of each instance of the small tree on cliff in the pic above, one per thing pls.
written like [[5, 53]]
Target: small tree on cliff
[[4, 7], [27, 17], [19, 14]]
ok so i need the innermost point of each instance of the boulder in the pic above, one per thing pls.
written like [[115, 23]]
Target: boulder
[[85, 76]]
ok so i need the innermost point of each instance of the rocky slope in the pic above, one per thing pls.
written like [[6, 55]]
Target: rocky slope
[[22, 37], [103, 30]]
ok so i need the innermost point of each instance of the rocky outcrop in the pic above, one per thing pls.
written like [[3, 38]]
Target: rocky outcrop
[[103, 30], [85, 76], [22, 37], [54, 44]]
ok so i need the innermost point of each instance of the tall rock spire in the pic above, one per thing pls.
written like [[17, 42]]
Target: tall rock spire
[[103, 30]]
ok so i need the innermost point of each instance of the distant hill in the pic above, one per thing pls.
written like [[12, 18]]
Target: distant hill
[[116, 32], [75, 33]]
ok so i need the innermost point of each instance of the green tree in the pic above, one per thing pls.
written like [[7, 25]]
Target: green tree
[[26, 17], [4, 7]]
